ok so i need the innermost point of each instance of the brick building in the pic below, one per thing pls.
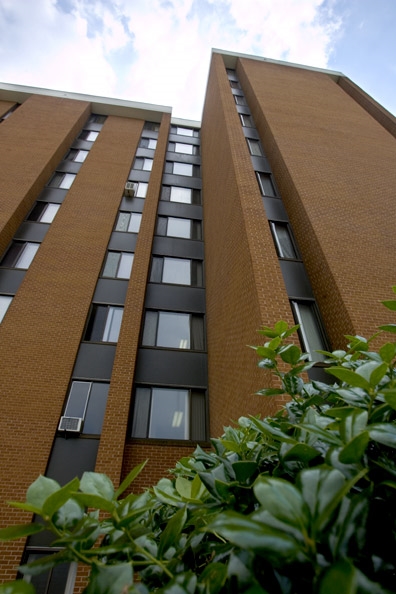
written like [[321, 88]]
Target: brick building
[[141, 253]]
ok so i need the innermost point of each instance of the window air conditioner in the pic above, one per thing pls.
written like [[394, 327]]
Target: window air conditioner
[[130, 189], [73, 424]]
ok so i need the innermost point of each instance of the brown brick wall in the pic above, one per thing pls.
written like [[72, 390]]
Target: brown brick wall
[[115, 426], [41, 333], [334, 165], [244, 284], [32, 143], [5, 106]]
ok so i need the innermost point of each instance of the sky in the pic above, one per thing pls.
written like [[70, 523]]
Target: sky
[[158, 51]]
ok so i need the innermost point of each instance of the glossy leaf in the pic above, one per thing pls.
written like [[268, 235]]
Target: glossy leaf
[[213, 576], [353, 424], [129, 479], [301, 452], [391, 304], [270, 392], [384, 433], [389, 328], [388, 352], [40, 490], [95, 501], [244, 470], [110, 579], [17, 587], [265, 352], [348, 376], [372, 372], [95, 483], [390, 397], [291, 354], [59, 497], [20, 531], [172, 531], [283, 500], [340, 577], [354, 449]]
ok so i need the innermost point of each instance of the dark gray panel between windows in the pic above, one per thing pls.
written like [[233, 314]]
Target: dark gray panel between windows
[[169, 179], [123, 242], [94, 361], [182, 158], [144, 152], [52, 195], [30, 231], [71, 457], [132, 204], [185, 139], [139, 175], [171, 368], [175, 298], [275, 209], [82, 144], [318, 374], [177, 209], [296, 280], [10, 280], [250, 133], [112, 291], [243, 109], [260, 164], [180, 248], [69, 166]]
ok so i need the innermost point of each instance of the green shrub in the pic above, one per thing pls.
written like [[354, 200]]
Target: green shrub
[[301, 502]]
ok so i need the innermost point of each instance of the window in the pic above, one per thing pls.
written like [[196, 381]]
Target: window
[[283, 241], [87, 400], [104, 324], [149, 143], [184, 195], [43, 212], [175, 227], [57, 580], [89, 135], [177, 271], [246, 120], [118, 265], [129, 222], [181, 147], [183, 169], [310, 331], [153, 126], [266, 186], [173, 330], [239, 100], [62, 180], [7, 114], [5, 301], [235, 84], [254, 147], [95, 118], [184, 131], [143, 163], [140, 189], [169, 413], [20, 254], [78, 156]]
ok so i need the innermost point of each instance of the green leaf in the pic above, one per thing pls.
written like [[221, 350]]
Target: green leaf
[[67, 516], [390, 397], [339, 412], [391, 304], [214, 576], [265, 352], [353, 424], [340, 577], [389, 328], [372, 372], [17, 587], [110, 579], [59, 497], [301, 452], [172, 531], [349, 377], [270, 392], [40, 490], [388, 352], [266, 331], [354, 450], [129, 479], [45, 563], [96, 483], [282, 499], [324, 434], [95, 501], [20, 531], [244, 470], [384, 433], [281, 327], [291, 354]]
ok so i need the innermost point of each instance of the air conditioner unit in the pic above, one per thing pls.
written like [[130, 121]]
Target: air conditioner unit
[[73, 424], [130, 189]]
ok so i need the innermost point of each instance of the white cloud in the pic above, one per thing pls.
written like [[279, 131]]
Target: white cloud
[[156, 51]]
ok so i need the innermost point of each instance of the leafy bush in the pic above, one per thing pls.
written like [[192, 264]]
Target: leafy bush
[[301, 502]]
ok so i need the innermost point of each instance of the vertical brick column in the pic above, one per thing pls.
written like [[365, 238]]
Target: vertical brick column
[[114, 432], [32, 142], [5, 106], [334, 165], [244, 284], [41, 333]]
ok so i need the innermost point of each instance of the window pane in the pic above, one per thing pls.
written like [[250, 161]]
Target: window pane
[[27, 255], [5, 301], [111, 265], [173, 330], [37, 211], [91, 136], [255, 148], [134, 222], [180, 195], [246, 120], [169, 414], [67, 181], [156, 270], [81, 156], [183, 169], [150, 328], [141, 412], [184, 131], [142, 190], [180, 147], [152, 143], [123, 221], [266, 185], [283, 241], [113, 324], [179, 227], [78, 398], [310, 329], [49, 213], [147, 164], [96, 408], [125, 267], [177, 271]]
